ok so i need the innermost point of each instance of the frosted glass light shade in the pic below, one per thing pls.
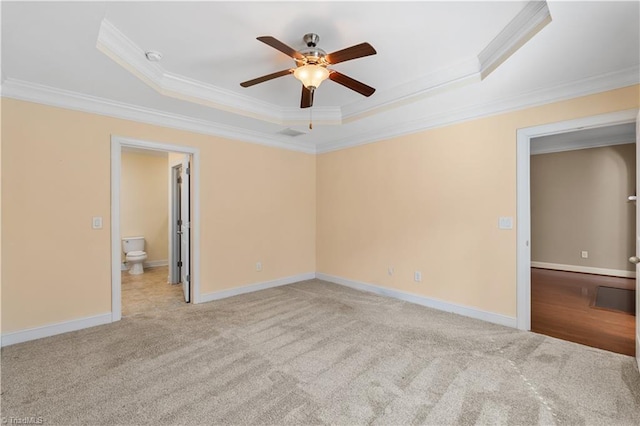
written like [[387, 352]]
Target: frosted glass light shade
[[311, 75]]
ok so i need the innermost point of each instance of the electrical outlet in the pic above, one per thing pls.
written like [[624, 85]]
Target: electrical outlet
[[584, 254], [258, 266], [417, 276], [390, 271]]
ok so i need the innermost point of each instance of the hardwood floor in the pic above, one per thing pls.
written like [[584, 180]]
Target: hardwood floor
[[561, 306]]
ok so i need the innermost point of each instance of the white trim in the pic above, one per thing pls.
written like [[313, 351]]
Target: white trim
[[117, 143], [33, 92], [125, 52], [523, 232], [53, 329], [147, 264], [523, 158], [155, 263], [638, 348], [527, 23], [116, 248], [440, 305], [441, 118], [584, 269], [223, 294], [38, 93], [584, 144], [122, 50]]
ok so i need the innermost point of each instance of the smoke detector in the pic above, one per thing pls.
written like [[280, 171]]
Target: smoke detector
[[153, 56]]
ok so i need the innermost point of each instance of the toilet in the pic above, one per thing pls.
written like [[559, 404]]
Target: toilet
[[133, 247]]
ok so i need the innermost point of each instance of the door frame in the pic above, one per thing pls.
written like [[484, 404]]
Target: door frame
[[117, 143], [523, 197]]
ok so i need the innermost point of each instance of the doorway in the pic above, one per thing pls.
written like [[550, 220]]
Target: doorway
[[523, 248], [582, 235], [189, 208], [523, 203], [180, 222]]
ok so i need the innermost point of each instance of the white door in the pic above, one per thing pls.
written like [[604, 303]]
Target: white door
[[638, 240], [185, 237]]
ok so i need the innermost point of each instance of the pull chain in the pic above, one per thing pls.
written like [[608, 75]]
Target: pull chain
[[311, 118]]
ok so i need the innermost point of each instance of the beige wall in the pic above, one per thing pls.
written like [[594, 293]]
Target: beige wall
[[144, 201], [579, 202], [430, 202], [257, 203]]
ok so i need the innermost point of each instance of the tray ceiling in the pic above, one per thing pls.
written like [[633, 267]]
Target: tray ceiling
[[437, 62]]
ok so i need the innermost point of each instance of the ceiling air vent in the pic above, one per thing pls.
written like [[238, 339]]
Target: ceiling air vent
[[291, 132]]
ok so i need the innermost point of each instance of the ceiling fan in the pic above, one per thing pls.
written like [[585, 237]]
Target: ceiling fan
[[311, 66]]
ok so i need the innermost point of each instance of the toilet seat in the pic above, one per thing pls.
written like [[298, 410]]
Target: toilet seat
[[136, 253]]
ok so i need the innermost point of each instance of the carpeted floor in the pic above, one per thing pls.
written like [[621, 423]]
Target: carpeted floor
[[314, 353]]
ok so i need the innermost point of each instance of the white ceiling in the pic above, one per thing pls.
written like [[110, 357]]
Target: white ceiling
[[435, 62]]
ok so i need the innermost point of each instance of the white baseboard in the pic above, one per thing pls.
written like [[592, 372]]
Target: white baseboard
[[584, 269], [217, 295], [149, 264], [422, 300], [53, 329], [155, 263]]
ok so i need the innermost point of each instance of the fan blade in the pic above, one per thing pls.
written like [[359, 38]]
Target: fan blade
[[352, 84], [353, 52], [307, 98], [266, 78], [278, 45]]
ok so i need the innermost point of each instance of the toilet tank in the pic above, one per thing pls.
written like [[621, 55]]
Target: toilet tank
[[130, 244]]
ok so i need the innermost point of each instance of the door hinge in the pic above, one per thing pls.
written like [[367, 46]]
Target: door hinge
[[179, 263], [188, 171], [188, 278], [179, 222]]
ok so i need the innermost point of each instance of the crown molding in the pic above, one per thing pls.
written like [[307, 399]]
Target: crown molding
[[610, 81], [113, 43], [531, 19], [38, 93], [32, 92], [439, 81]]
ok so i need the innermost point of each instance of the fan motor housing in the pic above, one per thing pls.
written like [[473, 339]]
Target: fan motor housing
[[312, 54]]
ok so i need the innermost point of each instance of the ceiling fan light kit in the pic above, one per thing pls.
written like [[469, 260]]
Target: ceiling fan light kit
[[311, 66], [311, 75]]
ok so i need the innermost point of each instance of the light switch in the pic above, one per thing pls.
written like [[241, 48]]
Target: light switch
[[505, 223], [96, 222]]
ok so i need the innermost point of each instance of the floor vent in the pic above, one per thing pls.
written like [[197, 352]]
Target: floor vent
[[291, 132]]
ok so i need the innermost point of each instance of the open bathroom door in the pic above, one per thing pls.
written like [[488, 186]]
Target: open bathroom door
[[185, 237]]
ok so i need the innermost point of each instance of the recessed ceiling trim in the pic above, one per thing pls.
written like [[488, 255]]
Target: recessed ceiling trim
[[520, 29], [610, 81], [113, 43], [439, 81], [32, 92], [528, 22]]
